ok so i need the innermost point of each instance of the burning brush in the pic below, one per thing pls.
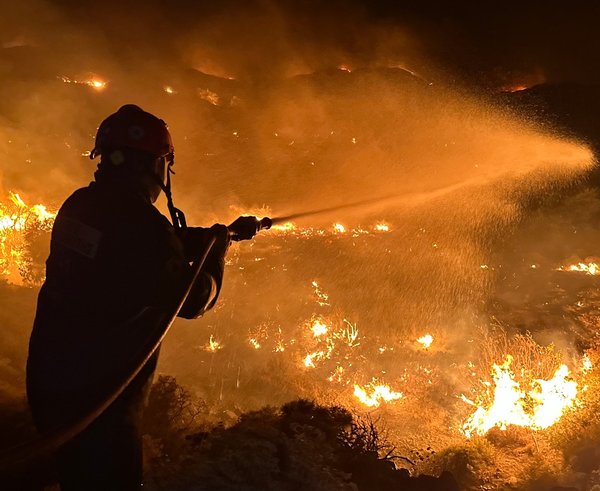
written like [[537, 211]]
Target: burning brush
[[20, 225]]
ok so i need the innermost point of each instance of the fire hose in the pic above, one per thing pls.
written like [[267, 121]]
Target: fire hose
[[22, 453], [52, 440]]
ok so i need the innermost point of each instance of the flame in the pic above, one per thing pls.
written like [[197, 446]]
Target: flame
[[169, 90], [586, 364], [322, 297], [318, 328], [539, 408], [425, 341], [213, 345], [337, 375], [96, 84], [17, 221], [254, 343], [373, 394], [289, 228], [209, 96], [284, 227], [349, 334], [309, 360], [93, 82], [587, 268], [515, 88], [339, 228]]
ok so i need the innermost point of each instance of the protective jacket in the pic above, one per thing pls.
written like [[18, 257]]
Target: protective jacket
[[115, 263]]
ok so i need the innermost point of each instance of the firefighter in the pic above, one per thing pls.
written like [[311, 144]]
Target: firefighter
[[116, 265]]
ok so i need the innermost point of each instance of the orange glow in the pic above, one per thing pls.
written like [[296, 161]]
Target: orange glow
[[339, 228], [213, 345], [538, 408], [318, 328], [94, 82], [587, 268], [17, 220], [210, 97], [515, 88], [425, 341], [373, 394]]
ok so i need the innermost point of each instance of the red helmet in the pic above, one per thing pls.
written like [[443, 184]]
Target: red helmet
[[132, 127]]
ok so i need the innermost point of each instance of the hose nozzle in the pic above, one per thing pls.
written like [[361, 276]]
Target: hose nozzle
[[246, 227], [265, 223]]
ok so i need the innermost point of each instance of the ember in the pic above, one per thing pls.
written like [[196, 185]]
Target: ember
[[213, 345], [318, 328], [93, 82]]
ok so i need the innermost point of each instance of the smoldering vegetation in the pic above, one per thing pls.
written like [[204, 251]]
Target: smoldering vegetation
[[274, 114]]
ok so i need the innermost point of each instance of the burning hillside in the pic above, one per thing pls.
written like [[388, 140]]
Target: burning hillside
[[456, 306], [320, 341]]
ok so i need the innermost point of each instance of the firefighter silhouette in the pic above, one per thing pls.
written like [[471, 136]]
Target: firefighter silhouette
[[115, 262]]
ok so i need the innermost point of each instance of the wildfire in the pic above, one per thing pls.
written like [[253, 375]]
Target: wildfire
[[515, 88], [93, 82], [373, 394], [17, 214], [349, 334], [381, 227], [425, 341], [309, 360], [322, 297], [18, 220], [209, 96], [254, 343], [318, 328], [213, 345], [587, 268], [96, 84], [339, 228], [284, 227], [337, 375], [538, 408]]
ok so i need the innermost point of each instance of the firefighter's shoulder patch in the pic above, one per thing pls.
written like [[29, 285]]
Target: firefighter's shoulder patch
[[77, 236]]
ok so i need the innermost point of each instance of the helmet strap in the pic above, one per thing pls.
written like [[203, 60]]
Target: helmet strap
[[177, 216]]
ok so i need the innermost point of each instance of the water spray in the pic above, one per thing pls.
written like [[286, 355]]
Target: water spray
[[266, 223], [418, 197], [323, 211]]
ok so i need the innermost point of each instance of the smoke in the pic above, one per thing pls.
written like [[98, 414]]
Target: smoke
[[289, 106], [292, 106]]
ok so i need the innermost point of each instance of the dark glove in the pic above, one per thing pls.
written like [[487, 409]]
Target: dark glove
[[244, 228]]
